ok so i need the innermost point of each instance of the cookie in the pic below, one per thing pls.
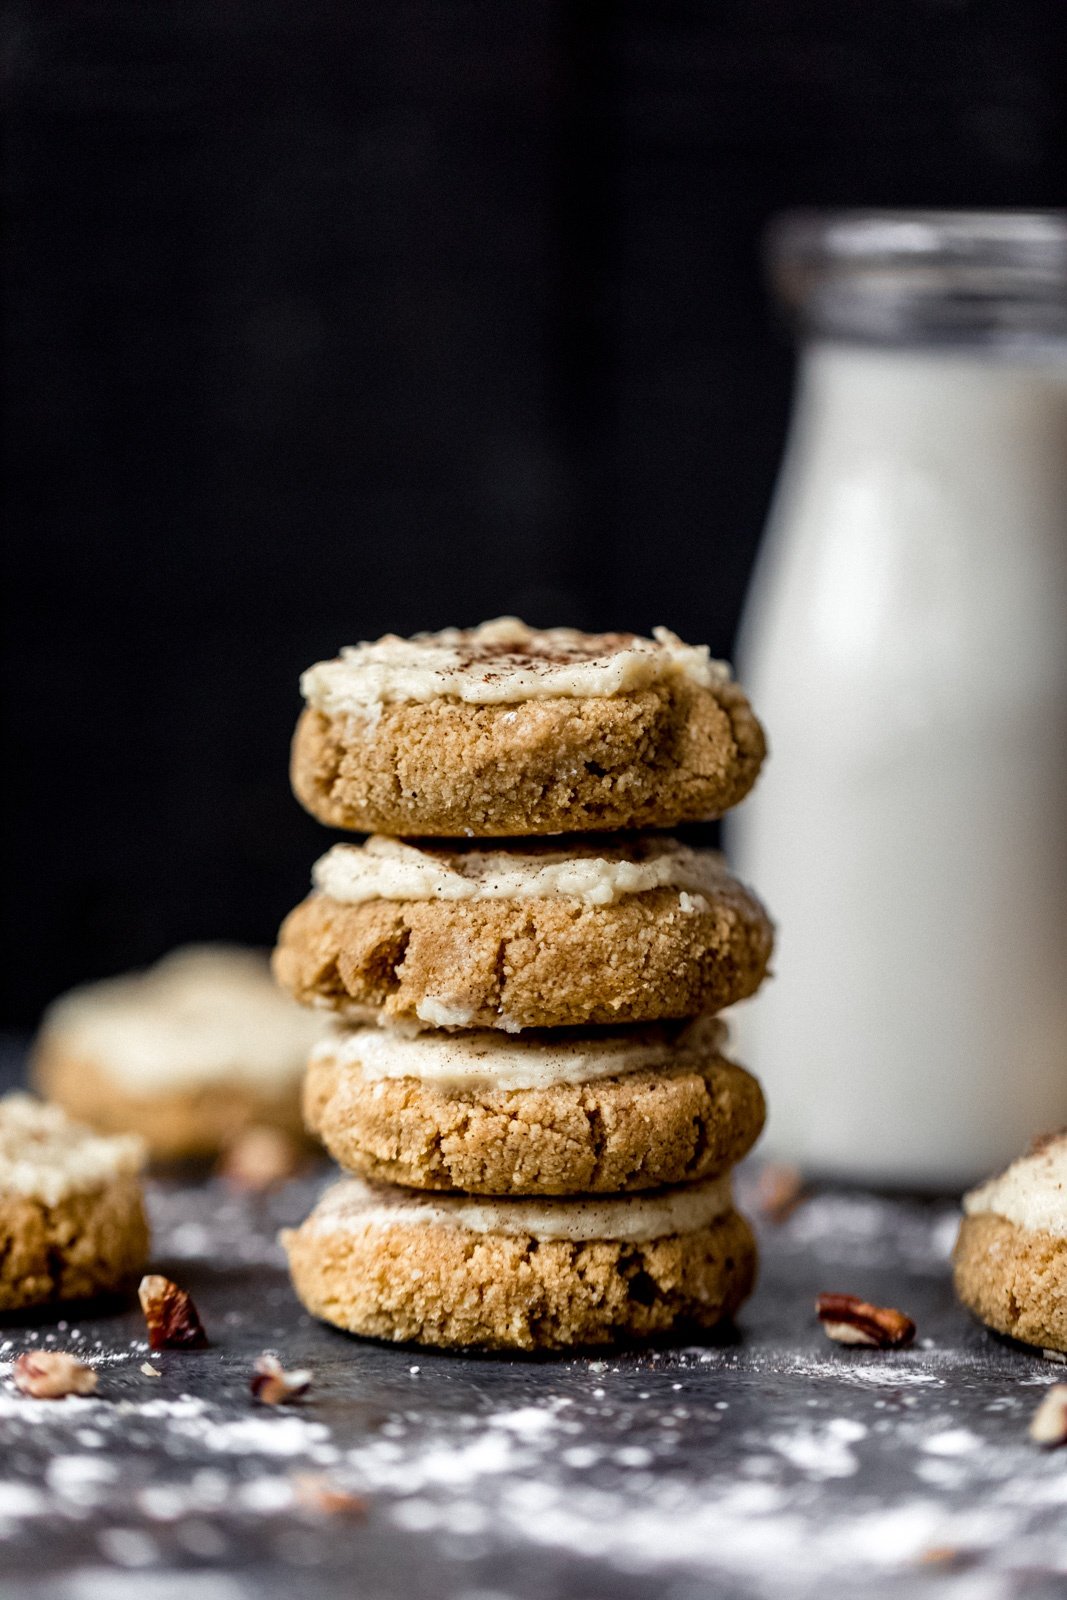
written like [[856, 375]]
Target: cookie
[[186, 1054], [538, 936], [72, 1219], [1010, 1261], [521, 1274], [540, 1114], [503, 730]]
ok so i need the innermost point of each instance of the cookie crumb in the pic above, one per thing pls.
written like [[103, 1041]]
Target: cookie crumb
[[1048, 1425]]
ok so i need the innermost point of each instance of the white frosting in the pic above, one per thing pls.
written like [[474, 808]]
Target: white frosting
[[486, 1059], [354, 1205], [599, 874], [503, 662], [47, 1157], [1032, 1192], [204, 1015]]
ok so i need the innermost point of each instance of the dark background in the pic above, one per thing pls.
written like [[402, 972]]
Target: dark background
[[328, 319]]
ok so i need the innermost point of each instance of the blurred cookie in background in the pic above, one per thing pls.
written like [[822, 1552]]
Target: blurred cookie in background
[[189, 1054]]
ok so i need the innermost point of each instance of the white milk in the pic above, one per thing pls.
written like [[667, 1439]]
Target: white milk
[[905, 644]]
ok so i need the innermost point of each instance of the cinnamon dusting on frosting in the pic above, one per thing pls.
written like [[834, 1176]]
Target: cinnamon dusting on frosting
[[503, 662]]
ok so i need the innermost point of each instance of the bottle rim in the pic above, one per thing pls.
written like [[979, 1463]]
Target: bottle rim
[[891, 276]]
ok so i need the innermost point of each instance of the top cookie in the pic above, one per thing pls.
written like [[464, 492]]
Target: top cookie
[[506, 730]]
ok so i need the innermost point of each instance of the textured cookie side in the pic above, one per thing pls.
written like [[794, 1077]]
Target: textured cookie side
[[1014, 1279], [446, 1286], [87, 1245], [177, 1125], [444, 768], [511, 964], [644, 1130]]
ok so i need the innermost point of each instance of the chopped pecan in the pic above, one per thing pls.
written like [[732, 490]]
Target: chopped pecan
[[51, 1374], [949, 1558], [259, 1158], [273, 1385], [315, 1492], [779, 1190], [172, 1318], [1048, 1425], [848, 1320]]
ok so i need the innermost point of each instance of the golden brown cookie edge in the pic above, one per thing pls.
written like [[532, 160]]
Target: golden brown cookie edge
[[440, 1285], [646, 1129], [1013, 1279]]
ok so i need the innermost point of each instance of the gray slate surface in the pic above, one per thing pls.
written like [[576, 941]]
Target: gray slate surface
[[771, 1464]]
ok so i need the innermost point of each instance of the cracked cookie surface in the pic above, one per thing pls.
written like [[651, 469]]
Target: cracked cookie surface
[[447, 1286], [692, 1114], [72, 1220], [516, 964], [653, 758], [1014, 1279], [83, 1246]]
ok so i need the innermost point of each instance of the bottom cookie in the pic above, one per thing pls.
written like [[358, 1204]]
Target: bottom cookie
[[522, 1274], [72, 1219]]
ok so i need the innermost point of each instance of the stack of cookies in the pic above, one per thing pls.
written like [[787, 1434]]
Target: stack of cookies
[[526, 1082]]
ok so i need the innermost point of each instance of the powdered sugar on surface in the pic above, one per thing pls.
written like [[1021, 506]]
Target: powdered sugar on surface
[[775, 1464]]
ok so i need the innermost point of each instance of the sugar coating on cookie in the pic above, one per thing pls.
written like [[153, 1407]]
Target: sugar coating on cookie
[[46, 1157], [1010, 1260], [1032, 1192], [354, 1205], [503, 662], [598, 873], [483, 1059], [204, 1014]]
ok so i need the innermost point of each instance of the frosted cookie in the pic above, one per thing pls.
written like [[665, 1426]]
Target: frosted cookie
[[504, 730], [186, 1054], [1010, 1259], [72, 1221], [521, 1274], [548, 1113], [538, 936]]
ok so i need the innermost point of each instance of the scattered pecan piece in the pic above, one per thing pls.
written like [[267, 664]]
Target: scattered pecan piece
[[314, 1492], [51, 1374], [274, 1386], [259, 1158], [949, 1558], [1048, 1425], [779, 1191], [172, 1318], [848, 1320]]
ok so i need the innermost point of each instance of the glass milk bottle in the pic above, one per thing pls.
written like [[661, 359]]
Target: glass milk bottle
[[905, 642]]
